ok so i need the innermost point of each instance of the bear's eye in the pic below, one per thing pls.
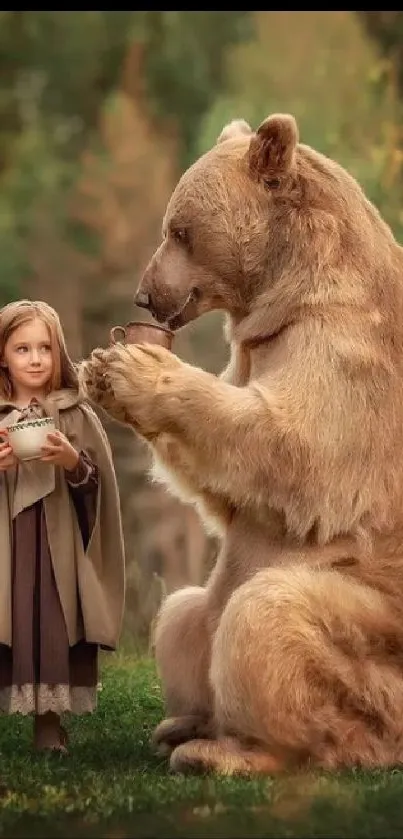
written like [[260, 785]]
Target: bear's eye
[[180, 234]]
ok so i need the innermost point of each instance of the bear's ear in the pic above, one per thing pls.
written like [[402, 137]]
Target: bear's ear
[[272, 149], [236, 128]]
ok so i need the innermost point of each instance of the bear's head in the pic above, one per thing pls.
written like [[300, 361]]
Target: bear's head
[[262, 226]]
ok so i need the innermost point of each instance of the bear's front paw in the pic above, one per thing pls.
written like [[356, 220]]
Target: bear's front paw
[[153, 367], [131, 383], [95, 377]]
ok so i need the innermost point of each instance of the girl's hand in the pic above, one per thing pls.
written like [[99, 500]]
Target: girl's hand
[[7, 457], [59, 451]]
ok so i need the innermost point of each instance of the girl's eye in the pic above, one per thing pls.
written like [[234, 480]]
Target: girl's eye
[[46, 348]]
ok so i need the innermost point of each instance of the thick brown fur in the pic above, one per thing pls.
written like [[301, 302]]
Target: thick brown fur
[[293, 651]]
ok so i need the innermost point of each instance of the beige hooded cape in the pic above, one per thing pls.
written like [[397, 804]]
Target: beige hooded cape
[[96, 576]]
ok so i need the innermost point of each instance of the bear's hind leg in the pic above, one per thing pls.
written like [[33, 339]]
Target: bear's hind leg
[[225, 756], [183, 653], [306, 666]]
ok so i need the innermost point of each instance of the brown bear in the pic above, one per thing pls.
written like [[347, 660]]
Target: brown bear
[[292, 653]]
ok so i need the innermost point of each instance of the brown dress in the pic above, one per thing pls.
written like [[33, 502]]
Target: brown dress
[[40, 672]]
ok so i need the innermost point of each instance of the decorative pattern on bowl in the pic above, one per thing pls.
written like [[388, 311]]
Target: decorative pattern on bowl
[[34, 423], [28, 437]]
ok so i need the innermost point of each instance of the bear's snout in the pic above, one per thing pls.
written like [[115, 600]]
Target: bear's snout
[[143, 299], [161, 310]]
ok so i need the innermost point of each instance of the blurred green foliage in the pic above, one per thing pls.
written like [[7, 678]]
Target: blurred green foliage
[[340, 73], [57, 70], [186, 65], [341, 85]]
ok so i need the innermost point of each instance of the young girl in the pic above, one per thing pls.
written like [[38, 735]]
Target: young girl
[[61, 545]]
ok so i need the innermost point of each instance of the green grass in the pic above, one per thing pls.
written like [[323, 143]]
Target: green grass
[[111, 785]]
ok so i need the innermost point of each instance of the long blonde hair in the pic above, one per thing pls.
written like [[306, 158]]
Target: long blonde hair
[[19, 312]]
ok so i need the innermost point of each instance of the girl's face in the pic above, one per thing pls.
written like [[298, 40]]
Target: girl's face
[[28, 357]]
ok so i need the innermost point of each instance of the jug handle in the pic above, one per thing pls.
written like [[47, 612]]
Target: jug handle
[[115, 331]]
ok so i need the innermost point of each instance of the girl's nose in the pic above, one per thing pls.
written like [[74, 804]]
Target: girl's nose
[[35, 357]]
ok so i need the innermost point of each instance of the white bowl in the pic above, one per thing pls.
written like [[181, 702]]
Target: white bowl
[[26, 438]]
